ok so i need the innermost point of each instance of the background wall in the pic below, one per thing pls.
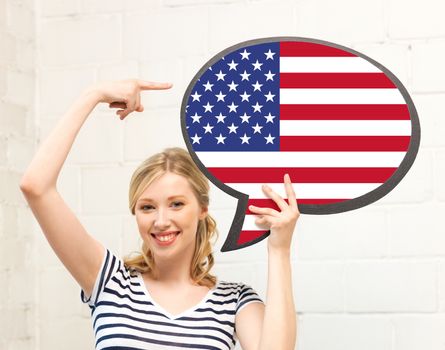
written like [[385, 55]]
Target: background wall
[[373, 278]]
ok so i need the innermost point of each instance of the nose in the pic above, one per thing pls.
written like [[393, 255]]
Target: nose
[[162, 219]]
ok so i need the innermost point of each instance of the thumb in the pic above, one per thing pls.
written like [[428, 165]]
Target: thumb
[[152, 85]]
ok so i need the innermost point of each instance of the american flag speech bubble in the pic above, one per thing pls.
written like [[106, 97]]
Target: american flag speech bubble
[[342, 125]]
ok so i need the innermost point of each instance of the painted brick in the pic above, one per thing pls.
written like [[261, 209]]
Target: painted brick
[[192, 38], [344, 332], [234, 23], [20, 88], [394, 286], [10, 187], [118, 71], [8, 48], [151, 131], [105, 228], [428, 69], [344, 22], [439, 175], [13, 118], [410, 236], [441, 286], [80, 40], [414, 19], [356, 234], [419, 332], [21, 20], [54, 334], [104, 190], [50, 83], [416, 186], [20, 152], [318, 287], [50, 8], [431, 117]]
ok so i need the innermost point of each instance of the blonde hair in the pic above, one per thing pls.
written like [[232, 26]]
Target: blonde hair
[[178, 161]]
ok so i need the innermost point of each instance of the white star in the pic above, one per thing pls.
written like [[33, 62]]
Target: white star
[[269, 97], [232, 107], [208, 128], [257, 65], [245, 118], [269, 118], [257, 129], [196, 138], [208, 107], [245, 139], [220, 75], [208, 86], [269, 139], [245, 97], [269, 54], [257, 107], [196, 96], [196, 118], [220, 96], [257, 86], [245, 76], [269, 76], [232, 86], [220, 118], [245, 54], [220, 138], [232, 128], [232, 65]]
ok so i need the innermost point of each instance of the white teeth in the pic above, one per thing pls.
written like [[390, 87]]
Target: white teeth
[[166, 238]]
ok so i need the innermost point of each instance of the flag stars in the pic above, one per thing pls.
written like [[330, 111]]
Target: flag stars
[[257, 65], [232, 86], [269, 139], [245, 55], [208, 128], [269, 54], [245, 97], [257, 86], [196, 96], [232, 65], [257, 129], [220, 75], [245, 76], [269, 97], [220, 96], [232, 107], [269, 118], [208, 107], [232, 128], [257, 107], [220, 118], [245, 118], [220, 139], [196, 138], [245, 139], [208, 86], [196, 118], [269, 76]]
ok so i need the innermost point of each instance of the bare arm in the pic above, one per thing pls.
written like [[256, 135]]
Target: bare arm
[[79, 252]]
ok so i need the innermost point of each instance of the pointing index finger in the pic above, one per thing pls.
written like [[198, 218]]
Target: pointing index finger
[[153, 85]]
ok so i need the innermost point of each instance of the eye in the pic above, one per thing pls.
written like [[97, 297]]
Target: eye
[[177, 204], [146, 206]]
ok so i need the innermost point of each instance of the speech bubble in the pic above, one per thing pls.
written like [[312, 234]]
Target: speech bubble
[[341, 124]]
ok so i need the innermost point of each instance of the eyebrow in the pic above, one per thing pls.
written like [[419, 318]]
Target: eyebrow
[[169, 198]]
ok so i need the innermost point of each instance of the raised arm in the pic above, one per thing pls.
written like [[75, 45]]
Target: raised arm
[[275, 325], [81, 253]]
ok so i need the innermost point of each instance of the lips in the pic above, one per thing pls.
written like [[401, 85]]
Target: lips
[[167, 233]]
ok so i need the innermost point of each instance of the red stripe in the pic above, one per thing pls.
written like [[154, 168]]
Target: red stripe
[[335, 80], [345, 143], [306, 49], [303, 175], [344, 112], [247, 236], [269, 203]]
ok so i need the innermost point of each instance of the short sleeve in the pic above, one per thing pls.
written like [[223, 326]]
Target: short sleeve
[[247, 295], [108, 267]]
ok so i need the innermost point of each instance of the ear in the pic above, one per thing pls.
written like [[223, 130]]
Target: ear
[[204, 213]]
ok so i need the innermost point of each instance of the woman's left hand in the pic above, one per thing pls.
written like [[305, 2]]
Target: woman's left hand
[[280, 223]]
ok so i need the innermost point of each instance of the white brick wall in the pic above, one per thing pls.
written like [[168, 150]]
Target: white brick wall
[[373, 278]]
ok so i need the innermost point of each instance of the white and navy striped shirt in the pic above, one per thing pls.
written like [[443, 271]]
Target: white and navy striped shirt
[[125, 316]]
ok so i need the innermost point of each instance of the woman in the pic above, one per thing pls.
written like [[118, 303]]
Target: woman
[[165, 298]]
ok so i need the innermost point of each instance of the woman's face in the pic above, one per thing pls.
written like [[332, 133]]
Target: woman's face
[[167, 214]]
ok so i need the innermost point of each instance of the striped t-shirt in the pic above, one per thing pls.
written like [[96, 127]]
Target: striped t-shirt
[[125, 316]]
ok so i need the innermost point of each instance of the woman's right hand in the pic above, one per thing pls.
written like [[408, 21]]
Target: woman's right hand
[[125, 94]]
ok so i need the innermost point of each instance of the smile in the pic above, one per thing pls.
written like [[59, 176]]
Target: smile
[[164, 239]]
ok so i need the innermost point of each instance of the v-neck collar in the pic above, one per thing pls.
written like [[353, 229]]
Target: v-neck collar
[[165, 312]]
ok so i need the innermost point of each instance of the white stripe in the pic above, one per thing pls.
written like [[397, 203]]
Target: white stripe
[[345, 128], [341, 96], [300, 159], [249, 224], [326, 65], [308, 190]]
